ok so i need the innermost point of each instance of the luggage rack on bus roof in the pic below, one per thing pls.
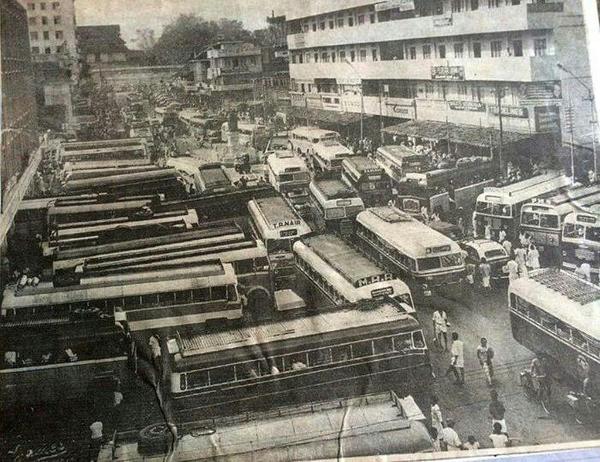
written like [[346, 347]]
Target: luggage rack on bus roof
[[390, 214], [568, 285]]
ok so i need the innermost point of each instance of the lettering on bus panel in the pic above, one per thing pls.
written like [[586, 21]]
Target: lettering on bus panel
[[438, 249], [374, 177], [343, 202], [586, 219], [288, 233], [382, 292], [284, 223]]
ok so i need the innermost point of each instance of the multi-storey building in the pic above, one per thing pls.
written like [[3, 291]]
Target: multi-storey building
[[19, 120], [437, 60], [52, 30], [101, 46]]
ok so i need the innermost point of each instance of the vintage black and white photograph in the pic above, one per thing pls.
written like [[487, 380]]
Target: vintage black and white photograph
[[299, 230]]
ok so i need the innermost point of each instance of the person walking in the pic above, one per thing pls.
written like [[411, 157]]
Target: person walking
[[521, 259], [507, 247], [96, 429], [457, 361], [533, 258], [498, 439], [512, 269], [488, 232], [502, 235], [485, 355], [437, 422], [450, 438], [440, 328], [497, 411], [485, 271]]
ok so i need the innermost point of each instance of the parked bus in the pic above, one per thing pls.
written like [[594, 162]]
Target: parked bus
[[581, 240], [398, 160], [312, 431], [278, 226], [500, 207], [201, 177], [368, 178], [151, 300], [544, 219], [321, 147], [344, 275], [102, 150], [410, 249], [289, 175], [48, 363], [556, 313], [336, 205], [374, 342]]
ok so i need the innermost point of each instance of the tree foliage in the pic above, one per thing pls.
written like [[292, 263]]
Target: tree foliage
[[190, 33]]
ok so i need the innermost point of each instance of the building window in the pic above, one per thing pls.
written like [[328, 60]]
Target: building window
[[55, 5], [42, 6], [44, 20], [474, 5], [59, 49], [342, 55], [300, 58], [362, 55], [353, 56], [477, 49], [314, 27], [361, 19], [305, 28], [350, 21], [426, 51], [48, 50], [372, 18], [412, 53], [339, 22], [462, 90], [331, 24], [302, 88], [293, 59], [517, 47], [458, 50], [428, 90], [374, 54], [46, 35], [325, 57], [31, 6], [457, 6], [496, 47], [57, 20], [539, 47], [322, 25], [515, 2], [442, 51], [316, 56], [35, 50], [494, 3], [476, 93], [32, 21], [333, 56], [33, 36]]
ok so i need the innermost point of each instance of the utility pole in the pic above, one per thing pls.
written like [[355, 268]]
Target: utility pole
[[381, 113], [569, 126], [499, 95]]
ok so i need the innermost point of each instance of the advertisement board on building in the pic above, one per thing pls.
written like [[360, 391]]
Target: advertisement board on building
[[447, 73], [442, 21], [314, 102], [401, 5], [547, 119], [403, 110], [474, 106], [511, 111]]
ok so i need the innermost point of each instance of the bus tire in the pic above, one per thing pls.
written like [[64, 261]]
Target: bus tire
[[155, 439]]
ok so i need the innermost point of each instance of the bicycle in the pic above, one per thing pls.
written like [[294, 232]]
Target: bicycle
[[536, 389]]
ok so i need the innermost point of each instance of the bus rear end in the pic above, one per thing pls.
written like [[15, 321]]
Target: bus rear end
[[581, 242]]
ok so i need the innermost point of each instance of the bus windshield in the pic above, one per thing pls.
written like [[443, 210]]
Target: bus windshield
[[592, 234], [445, 261], [490, 208], [279, 245], [543, 220]]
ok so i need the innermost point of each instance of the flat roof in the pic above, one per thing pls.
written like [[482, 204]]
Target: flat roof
[[398, 151], [362, 163], [334, 189], [359, 316], [280, 162], [310, 8], [275, 209], [347, 261]]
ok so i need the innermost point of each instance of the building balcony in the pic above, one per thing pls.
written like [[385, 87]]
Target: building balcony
[[509, 69], [483, 21]]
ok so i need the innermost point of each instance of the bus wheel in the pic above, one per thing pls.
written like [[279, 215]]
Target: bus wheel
[[155, 439]]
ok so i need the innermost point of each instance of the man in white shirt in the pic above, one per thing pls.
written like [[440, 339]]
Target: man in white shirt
[[450, 437], [440, 327], [457, 362], [96, 440], [499, 439]]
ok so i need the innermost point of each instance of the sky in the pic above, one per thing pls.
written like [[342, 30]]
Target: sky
[[154, 14]]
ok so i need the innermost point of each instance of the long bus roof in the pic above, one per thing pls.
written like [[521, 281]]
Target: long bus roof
[[116, 180], [77, 165], [569, 201], [369, 424], [398, 152], [272, 215], [576, 205], [347, 261], [360, 317], [405, 233], [94, 144], [564, 296], [525, 190], [313, 132], [121, 285], [333, 189], [361, 165], [100, 152], [286, 162], [55, 210]]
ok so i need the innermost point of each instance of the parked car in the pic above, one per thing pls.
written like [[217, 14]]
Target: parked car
[[492, 251]]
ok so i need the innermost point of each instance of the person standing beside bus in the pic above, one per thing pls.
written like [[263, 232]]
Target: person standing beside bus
[[485, 271], [512, 268], [502, 235], [485, 354], [437, 422], [457, 363], [521, 259], [440, 328]]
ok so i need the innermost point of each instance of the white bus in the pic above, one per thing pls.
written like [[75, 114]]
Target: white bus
[[581, 240], [201, 177], [544, 219], [556, 313], [410, 249], [336, 204], [278, 226], [344, 275], [500, 207], [321, 147], [289, 175]]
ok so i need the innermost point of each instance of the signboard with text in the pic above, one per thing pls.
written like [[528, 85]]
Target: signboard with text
[[474, 106], [442, 21], [447, 73], [511, 111], [405, 111], [402, 5]]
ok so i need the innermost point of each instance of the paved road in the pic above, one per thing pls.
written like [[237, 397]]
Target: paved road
[[487, 315]]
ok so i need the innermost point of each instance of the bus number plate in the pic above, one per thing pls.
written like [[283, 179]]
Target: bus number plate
[[381, 292], [288, 232]]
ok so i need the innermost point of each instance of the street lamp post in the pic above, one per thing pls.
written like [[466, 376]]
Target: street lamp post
[[593, 120], [500, 92]]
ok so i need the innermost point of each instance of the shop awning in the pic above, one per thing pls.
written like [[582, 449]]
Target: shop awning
[[321, 115], [472, 135]]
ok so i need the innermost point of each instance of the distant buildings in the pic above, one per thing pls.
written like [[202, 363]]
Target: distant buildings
[[102, 46], [19, 117]]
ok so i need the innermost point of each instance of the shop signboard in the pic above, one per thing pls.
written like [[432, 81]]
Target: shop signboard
[[511, 111], [448, 73], [547, 119], [401, 5], [473, 106], [442, 21]]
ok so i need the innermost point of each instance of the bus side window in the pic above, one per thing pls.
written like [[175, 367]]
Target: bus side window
[[247, 370], [166, 297], [319, 357], [201, 295], [563, 330], [231, 293], [219, 293], [579, 339], [402, 342], [513, 301], [340, 353], [295, 361], [182, 297], [197, 379], [383, 345], [150, 299], [594, 347], [418, 340], [362, 349], [243, 267], [549, 322], [132, 301], [221, 375]]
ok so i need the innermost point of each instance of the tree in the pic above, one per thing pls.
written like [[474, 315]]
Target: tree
[[144, 39], [190, 33]]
